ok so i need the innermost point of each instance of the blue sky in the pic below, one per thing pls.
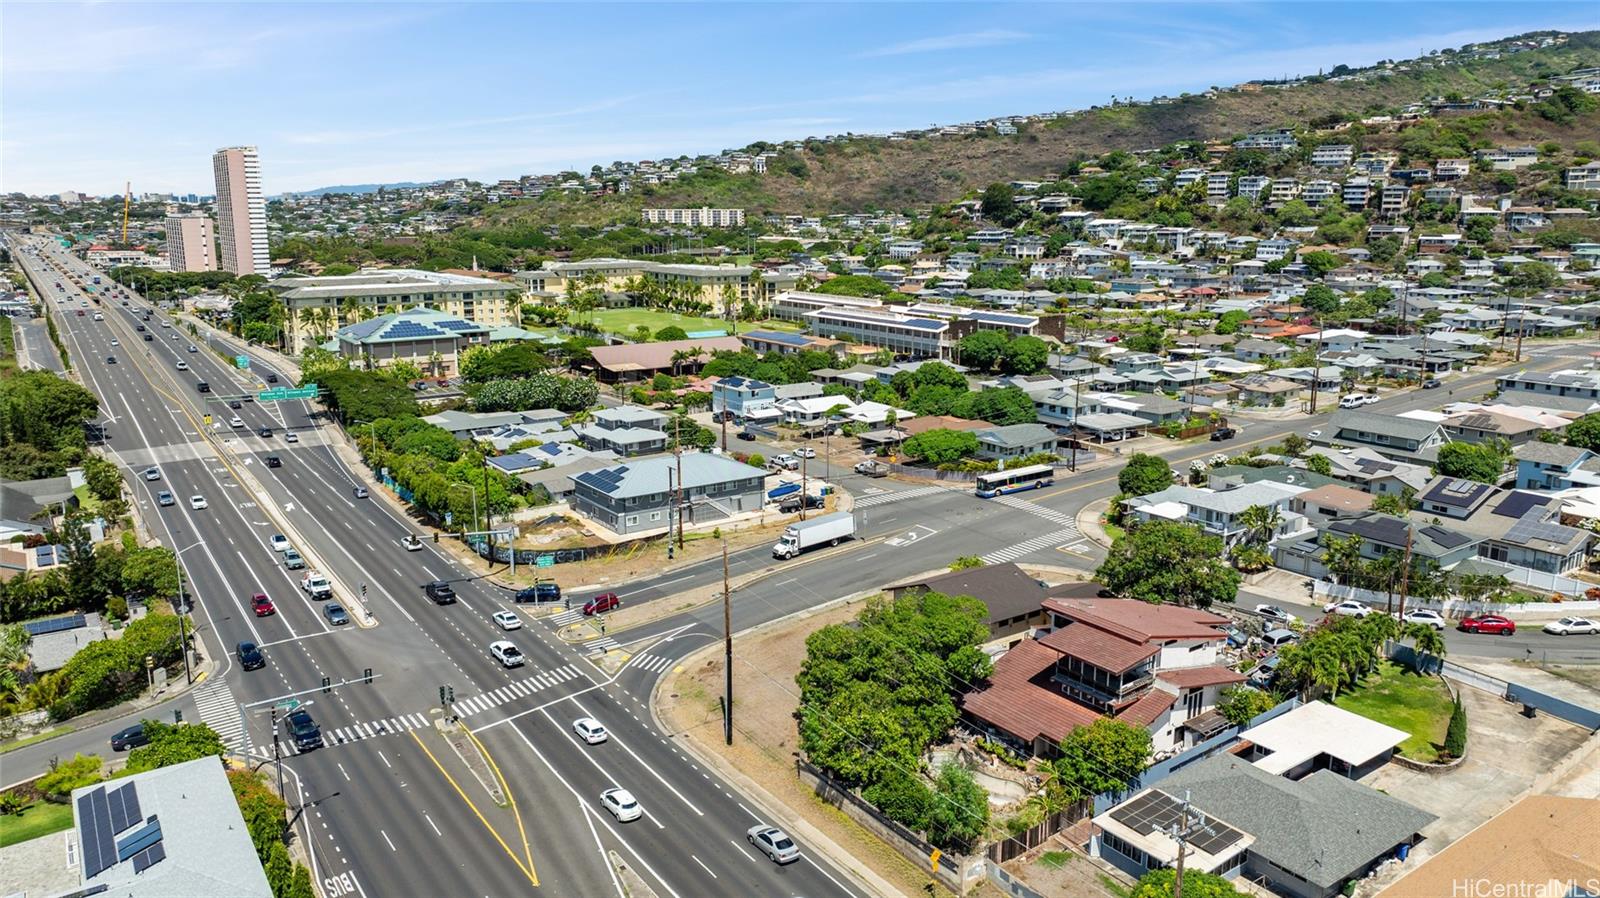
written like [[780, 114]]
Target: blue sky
[[98, 93]]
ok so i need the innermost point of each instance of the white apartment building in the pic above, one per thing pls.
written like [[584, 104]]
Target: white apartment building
[[1188, 176], [1252, 186], [1319, 191], [1217, 186], [703, 217], [1392, 202], [1583, 177], [1332, 155], [902, 334], [1451, 169], [241, 211], [1356, 192], [191, 242], [1283, 189]]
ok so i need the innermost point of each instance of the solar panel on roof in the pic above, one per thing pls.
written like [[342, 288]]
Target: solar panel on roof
[[1157, 811], [153, 855], [1446, 538], [138, 840], [54, 624], [1516, 504], [95, 834]]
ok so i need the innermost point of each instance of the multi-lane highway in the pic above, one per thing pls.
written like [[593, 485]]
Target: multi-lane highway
[[395, 811]]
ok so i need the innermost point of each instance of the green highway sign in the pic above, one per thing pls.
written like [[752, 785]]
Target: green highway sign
[[545, 560], [242, 361], [278, 394], [289, 706]]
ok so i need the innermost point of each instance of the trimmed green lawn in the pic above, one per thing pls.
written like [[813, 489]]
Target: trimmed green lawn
[[1417, 703], [772, 324], [39, 819], [623, 321]]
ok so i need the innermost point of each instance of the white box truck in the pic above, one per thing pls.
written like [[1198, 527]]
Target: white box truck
[[800, 536]]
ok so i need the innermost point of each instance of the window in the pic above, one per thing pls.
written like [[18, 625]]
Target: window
[[633, 519]]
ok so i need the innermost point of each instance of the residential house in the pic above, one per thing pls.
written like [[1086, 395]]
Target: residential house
[[1382, 534], [1013, 597], [1532, 387], [1510, 528], [1330, 502], [642, 361], [1401, 439], [1487, 426], [1529, 842], [432, 341], [741, 397], [1555, 466], [1014, 441], [784, 343], [1220, 512], [1262, 351], [627, 430], [1371, 472], [1583, 177], [638, 496], [1332, 155]]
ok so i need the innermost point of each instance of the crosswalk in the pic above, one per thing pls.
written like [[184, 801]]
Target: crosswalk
[[648, 662], [897, 496], [1037, 544], [1049, 514], [520, 689], [221, 712], [570, 616], [603, 644], [389, 726]]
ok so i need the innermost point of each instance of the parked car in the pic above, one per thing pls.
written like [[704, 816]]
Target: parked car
[[507, 620], [746, 435], [589, 730], [773, 842], [791, 504], [261, 605], [1274, 613], [506, 653], [1488, 623], [602, 603], [621, 804], [1349, 607], [806, 452], [250, 656], [335, 614], [1422, 616], [1568, 626], [129, 737]]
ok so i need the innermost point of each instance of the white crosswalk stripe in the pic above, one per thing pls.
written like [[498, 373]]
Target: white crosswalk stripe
[[601, 644], [567, 617], [356, 732], [511, 692], [898, 495], [649, 662], [219, 711], [1038, 543], [1049, 514]]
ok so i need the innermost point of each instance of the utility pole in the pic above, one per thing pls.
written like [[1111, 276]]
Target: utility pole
[[1405, 573], [1188, 824], [802, 487], [727, 650], [671, 497], [1520, 331], [1316, 369], [677, 499]]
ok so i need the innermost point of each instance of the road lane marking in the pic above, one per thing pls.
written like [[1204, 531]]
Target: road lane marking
[[704, 867], [432, 824], [386, 839], [479, 814], [509, 794]]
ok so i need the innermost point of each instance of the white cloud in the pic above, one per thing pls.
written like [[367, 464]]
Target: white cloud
[[961, 41]]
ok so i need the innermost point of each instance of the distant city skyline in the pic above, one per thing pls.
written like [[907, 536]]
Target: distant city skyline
[[355, 93]]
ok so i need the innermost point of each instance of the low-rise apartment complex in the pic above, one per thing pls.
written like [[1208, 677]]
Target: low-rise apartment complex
[[317, 307]]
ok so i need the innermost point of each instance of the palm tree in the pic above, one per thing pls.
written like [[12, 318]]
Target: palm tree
[[1261, 523], [679, 356]]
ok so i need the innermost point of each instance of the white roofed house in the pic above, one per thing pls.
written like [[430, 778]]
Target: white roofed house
[[1218, 512]]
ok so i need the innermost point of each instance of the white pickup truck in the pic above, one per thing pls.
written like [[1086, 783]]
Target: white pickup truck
[[315, 585]]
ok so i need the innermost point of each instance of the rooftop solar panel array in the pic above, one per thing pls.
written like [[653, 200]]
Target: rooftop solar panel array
[[1157, 811], [102, 814], [1518, 502], [405, 330], [1529, 528], [54, 624], [1449, 539], [605, 480]]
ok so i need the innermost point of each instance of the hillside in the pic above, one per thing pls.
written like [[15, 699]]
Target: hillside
[[876, 173]]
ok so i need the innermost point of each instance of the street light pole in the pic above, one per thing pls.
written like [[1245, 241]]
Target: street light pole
[[727, 649]]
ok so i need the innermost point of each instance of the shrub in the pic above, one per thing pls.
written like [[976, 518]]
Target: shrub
[[1455, 737], [82, 770]]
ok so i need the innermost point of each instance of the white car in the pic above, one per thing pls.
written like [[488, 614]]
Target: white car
[[621, 804], [291, 437], [806, 452], [506, 653], [1349, 607], [1567, 626], [773, 842], [1274, 613], [152, 473], [197, 502], [1422, 616], [115, 343], [183, 366], [589, 730], [235, 421], [508, 620], [280, 543], [1313, 433]]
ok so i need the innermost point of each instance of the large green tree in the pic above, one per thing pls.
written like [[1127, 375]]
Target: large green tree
[[982, 350], [1167, 561], [959, 812], [174, 744], [1585, 432], [1482, 462], [1144, 474], [942, 446], [1105, 756], [1025, 355]]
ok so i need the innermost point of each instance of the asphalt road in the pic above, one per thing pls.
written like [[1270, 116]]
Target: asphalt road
[[383, 805], [34, 349]]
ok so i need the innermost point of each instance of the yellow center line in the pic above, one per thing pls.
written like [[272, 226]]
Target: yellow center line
[[504, 784], [481, 819]]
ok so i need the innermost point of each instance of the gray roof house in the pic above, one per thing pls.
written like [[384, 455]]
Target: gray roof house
[[173, 832], [1370, 472], [464, 424], [22, 500], [627, 430], [1014, 599], [1015, 441], [1217, 511], [1402, 439], [635, 497], [1305, 838]]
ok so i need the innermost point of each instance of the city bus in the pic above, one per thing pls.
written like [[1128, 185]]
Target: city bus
[[1015, 480]]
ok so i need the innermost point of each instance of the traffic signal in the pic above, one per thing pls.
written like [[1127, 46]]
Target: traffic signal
[[441, 696], [363, 590], [367, 676], [450, 695]]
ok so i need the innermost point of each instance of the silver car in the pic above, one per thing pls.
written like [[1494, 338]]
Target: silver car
[[773, 842]]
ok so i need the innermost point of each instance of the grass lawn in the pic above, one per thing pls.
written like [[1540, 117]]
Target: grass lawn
[[86, 500], [623, 321], [39, 819], [1416, 703], [772, 324]]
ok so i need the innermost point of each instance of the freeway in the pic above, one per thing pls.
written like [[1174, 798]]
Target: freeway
[[376, 767], [34, 349]]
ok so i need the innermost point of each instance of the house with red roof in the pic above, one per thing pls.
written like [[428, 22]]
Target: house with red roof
[[1150, 666]]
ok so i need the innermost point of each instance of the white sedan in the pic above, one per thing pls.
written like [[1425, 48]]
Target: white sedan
[[1275, 613], [1422, 616], [1567, 626], [507, 620], [280, 543], [1347, 607], [806, 452], [589, 730], [621, 804], [197, 502]]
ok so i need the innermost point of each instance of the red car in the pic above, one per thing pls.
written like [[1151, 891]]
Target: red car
[[603, 602], [1488, 623], [262, 605]]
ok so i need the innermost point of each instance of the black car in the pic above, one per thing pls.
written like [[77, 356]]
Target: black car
[[264, 432], [274, 462], [747, 435], [303, 730], [440, 591], [111, 360], [1223, 433], [250, 656], [791, 504], [132, 737], [149, 338], [272, 378], [234, 403], [540, 592]]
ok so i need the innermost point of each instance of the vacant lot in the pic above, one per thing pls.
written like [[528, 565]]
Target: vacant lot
[[1420, 704], [623, 321]]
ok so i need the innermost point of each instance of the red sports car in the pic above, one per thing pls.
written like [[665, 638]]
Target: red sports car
[[262, 605], [1488, 623]]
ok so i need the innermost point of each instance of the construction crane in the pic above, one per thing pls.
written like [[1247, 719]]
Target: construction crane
[[127, 200]]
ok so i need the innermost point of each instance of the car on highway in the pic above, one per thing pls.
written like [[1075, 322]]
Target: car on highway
[[234, 403], [193, 348], [235, 421], [506, 653], [303, 730], [279, 542], [539, 592], [111, 360], [589, 730], [197, 502], [359, 492], [440, 592], [115, 343], [129, 737], [773, 842], [291, 437], [1348, 607], [621, 804], [152, 473], [1422, 616], [1569, 626], [263, 431], [335, 614], [806, 452], [164, 499], [292, 560], [261, 605], [273, 461], [412, 542], [507, 620], [1494, 624], [183, 366], [602, 603], [250, 656], [272, 378], [149, 338]]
